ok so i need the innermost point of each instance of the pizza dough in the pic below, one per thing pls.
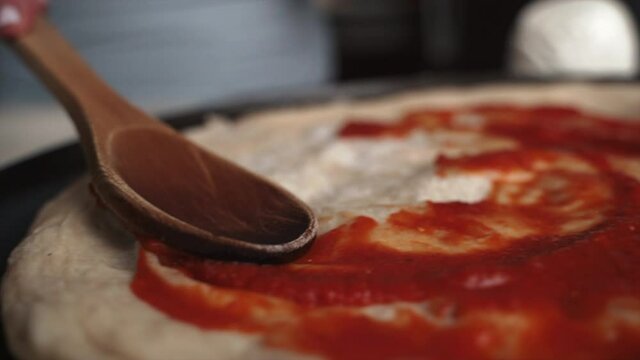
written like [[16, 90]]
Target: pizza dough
[[67, 295]]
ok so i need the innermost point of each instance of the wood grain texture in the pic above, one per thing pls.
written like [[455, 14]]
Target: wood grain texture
[[157, 182]]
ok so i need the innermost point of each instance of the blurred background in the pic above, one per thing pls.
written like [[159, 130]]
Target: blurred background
[[170, 55]]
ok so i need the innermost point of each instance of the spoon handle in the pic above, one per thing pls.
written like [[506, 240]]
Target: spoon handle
[[93, 105], [97, 111]]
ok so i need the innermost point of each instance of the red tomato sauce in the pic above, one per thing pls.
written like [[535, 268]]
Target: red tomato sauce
[[563, 282]]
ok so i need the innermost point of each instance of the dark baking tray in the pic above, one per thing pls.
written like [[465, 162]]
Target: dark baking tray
[[27, 185]]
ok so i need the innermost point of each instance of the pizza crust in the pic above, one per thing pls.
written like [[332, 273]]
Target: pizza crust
[[66, 295], [66, 291]]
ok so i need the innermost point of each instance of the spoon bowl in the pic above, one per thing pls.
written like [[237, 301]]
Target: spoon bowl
[[158, 183]]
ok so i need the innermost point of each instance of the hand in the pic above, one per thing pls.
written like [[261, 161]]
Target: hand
[[18, 16]]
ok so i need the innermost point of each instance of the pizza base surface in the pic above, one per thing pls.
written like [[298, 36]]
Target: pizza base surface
[[67, 292]]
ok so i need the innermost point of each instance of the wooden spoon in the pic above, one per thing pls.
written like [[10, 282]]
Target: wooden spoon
[[155, 181]]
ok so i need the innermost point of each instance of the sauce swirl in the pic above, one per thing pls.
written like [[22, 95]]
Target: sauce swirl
[[547, 266]]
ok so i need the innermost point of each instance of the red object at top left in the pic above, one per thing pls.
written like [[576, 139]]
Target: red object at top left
[[18, 16]]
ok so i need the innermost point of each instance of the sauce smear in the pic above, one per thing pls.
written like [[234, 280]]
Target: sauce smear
[[547, 266]]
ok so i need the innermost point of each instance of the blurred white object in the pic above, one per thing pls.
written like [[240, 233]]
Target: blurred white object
[[575, 38]]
